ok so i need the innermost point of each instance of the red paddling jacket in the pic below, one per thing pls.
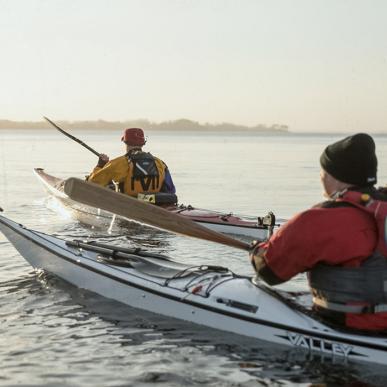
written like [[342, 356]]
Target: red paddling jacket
[[336, 243]]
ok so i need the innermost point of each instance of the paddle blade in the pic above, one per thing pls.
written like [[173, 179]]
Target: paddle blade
[[97, 196]]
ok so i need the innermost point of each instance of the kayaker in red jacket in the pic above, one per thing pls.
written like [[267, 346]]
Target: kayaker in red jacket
[[136, 171], [335, 242]]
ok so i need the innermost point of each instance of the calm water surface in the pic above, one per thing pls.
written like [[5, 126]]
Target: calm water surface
[[53, 334]]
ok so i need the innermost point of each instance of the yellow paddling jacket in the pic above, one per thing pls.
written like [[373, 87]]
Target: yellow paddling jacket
[[136, 172]]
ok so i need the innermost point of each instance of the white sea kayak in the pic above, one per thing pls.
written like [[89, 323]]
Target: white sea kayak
[[246, 226], [211, 296]]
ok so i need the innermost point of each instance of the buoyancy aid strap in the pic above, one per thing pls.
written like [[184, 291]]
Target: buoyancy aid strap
[[143, 164], [366, 285], [145, 182], [377, 208], [345, 308]]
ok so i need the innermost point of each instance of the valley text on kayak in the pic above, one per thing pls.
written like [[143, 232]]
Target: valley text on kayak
[[318, 345]]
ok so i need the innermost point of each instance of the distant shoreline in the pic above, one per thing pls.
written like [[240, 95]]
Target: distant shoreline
[[176, 125]]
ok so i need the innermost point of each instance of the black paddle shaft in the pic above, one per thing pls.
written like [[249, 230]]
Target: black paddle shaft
[[72, 137]]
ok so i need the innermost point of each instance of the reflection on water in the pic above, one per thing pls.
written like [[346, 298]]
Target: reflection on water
[[133, 234], [108, 228]]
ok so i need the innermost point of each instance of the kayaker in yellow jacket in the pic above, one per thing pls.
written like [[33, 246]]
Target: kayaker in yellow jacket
[[136, 171]]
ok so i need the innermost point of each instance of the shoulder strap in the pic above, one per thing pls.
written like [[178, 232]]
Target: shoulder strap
[[336, 204]]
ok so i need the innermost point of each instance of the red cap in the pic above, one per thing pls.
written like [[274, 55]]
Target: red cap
[[134, 136]]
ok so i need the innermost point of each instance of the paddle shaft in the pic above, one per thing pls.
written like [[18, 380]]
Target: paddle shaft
[[97, 196], [72, 137]]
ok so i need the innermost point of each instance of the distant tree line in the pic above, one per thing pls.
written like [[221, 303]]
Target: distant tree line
[[177, 125]]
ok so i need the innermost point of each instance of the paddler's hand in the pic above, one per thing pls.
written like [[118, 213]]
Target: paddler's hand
[[257, 256], [103, 160]]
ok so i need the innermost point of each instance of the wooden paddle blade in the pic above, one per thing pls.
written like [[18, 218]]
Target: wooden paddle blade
[[97, 196]]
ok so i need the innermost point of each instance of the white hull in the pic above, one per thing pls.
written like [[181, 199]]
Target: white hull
[[213, 298], [212, 220]]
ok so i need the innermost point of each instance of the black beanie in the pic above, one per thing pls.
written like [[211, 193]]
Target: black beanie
[[352, 160]]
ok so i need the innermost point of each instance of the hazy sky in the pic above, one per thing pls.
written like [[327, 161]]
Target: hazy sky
[[316, 65]]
